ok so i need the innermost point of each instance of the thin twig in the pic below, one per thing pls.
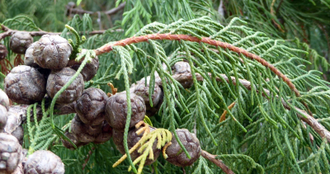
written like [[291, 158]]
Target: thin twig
[[115, 10], [303, 115], [79, 11], [217, 162], [7, 32], [109, 12]]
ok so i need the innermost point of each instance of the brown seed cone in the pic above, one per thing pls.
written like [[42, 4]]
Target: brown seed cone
[[25, 85], [84, 132], [142, 89], [19, 169], [28, 58], [20, 41], [74, 139], [10, 153], [20, 112], [116, 110], [57, 79], [13, 125], [132, 139], [3, 117], [117, 137], [90, 106], [4, 100], [52, 52], [90, 69], [63, 109], [105, 135], [180, 68], [3, 52], [177, 156], [43, 161], [14, 118], [19, 134], [24, 156]]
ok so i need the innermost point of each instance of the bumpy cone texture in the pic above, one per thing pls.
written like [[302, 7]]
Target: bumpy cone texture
[[90, 106], [10, 153], [19, 134], [3, 52], [180, 68], [90, 69], [132, 139], [19, 169], [3, 117], [28, 58], [20, 41], [74, 140], [84, 132], [142, 89], [25, 85], [117, 137], [43, 161], [13, 125], [20, 111], [4, 100], [105, 135], [57, 79], [116, 110], [177, 156], [63, 109], [52, 52]]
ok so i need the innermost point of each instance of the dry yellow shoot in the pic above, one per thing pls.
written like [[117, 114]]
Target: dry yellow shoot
[[162, 136]]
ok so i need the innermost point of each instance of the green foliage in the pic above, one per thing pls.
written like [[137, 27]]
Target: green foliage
[[306, 20], [49, 15], [139, 13], [41, 133], [259, 134]]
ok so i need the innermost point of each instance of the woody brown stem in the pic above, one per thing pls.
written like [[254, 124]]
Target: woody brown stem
[[115, 10], [217, 162], [109, 12], [301, 114]]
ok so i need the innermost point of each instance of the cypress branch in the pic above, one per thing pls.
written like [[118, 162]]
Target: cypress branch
[[303, 115], [108, 47]]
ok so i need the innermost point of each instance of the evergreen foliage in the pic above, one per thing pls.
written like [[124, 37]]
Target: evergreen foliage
[[261, 133]]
